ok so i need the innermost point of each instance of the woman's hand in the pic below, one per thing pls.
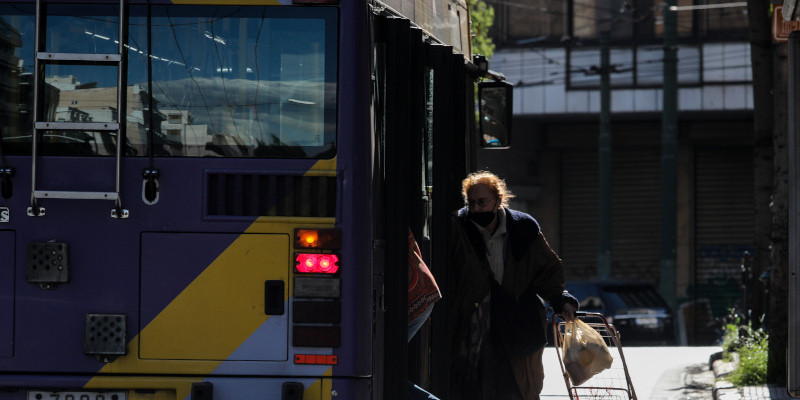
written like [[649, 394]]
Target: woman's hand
[[568, 312]]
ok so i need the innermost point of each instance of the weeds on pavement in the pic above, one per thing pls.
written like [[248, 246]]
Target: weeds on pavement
[[751, 345]]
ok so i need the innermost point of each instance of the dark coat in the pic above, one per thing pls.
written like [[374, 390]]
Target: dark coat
[[530, 266]]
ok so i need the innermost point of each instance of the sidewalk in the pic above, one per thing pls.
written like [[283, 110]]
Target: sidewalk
[[724, 390]]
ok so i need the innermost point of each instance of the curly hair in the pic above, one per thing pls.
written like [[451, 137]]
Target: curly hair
[[495, 184]]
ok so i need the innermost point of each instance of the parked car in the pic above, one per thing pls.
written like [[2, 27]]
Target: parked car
[[636, 309]]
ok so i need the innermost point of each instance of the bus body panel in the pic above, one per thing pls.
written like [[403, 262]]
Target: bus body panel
[[188, 273], [105, 272], [180, 388], [223, 304], [7, 243]]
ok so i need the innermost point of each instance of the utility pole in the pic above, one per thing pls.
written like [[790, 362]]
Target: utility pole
[[669, 164], [793, 131], [604, 164]]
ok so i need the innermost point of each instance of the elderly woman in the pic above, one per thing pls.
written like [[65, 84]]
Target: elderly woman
[[502, 266]]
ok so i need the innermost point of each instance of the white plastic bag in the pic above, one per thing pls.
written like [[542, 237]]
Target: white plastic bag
[[585, 352]]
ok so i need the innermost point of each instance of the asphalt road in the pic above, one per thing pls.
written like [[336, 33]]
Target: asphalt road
[[657, 373]]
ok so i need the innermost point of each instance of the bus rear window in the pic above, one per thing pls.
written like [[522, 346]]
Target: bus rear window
[[203, 81]]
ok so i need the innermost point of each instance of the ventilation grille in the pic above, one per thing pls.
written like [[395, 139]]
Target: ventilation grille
[[271, 195], [48, 262], [105, 334]]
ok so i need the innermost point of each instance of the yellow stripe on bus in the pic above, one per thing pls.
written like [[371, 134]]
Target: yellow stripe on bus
[[215, 314], [235, 278], [223, 306]]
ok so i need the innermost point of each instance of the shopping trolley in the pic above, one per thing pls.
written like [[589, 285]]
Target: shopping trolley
[[613, 383]]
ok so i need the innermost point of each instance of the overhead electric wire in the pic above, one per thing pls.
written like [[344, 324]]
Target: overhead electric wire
[[537, 73], [648, 74], [583, 60], [708, 6]]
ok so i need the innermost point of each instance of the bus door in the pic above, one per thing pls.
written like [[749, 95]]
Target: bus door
[[452, 152], [399, 111], [421, 123]]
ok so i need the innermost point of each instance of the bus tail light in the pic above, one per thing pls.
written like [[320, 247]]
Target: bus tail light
[[313, 263], [324, 239], [316, 359]]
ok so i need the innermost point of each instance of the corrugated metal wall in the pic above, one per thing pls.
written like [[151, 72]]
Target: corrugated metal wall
[[724, 222], [635, 213], [579, 213]]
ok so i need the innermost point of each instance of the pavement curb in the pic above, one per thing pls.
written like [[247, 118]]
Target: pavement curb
[[724, 390]]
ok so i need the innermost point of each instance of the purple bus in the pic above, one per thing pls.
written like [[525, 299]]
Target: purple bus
[[239, 231]]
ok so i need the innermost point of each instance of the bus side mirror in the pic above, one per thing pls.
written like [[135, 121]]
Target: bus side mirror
[[495, 101]]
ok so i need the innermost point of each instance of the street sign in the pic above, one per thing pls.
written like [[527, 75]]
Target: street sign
[[782, 28]]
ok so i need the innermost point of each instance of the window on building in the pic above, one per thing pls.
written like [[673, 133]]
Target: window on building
[[523, 22], [555, 22], [642, 21], [729, 19], [635, 31]]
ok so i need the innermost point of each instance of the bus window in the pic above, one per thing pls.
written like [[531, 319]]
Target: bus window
[[16, 21], [86, 93], [203, 81], [242, 81]]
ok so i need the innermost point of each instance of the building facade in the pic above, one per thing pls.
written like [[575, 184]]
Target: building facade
[[550, 50]]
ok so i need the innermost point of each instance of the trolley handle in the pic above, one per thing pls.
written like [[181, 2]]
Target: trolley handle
[[584, 314]]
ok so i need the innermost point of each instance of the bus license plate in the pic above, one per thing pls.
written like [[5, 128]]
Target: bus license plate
[[68, 395]]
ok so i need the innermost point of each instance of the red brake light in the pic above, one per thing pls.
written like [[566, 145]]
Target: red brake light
[[316, 263], [326, 263], [306, 262]]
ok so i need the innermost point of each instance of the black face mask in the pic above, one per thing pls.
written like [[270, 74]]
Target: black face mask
[[482, 218]]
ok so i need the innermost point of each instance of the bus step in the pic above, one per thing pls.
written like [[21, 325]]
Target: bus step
[[77, 195], [79, 58], [78, 126]]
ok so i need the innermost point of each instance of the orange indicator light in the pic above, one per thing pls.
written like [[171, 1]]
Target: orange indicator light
[[309, 238], [328, 239]]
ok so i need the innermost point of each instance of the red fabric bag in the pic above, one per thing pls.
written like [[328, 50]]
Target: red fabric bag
[[422, 288]]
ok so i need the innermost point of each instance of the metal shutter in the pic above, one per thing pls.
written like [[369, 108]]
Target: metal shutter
[[635, 213], [579, 213], [724, 222]]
